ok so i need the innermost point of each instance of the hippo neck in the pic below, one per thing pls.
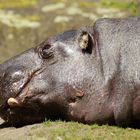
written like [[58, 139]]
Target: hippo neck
[[109, 46]]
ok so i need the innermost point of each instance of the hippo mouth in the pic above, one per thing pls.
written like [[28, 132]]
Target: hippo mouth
[[17, 112]]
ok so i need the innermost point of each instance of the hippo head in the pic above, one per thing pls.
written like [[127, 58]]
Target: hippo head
[[45, 81]]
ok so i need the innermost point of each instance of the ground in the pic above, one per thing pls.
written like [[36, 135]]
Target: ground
[[59, 130]]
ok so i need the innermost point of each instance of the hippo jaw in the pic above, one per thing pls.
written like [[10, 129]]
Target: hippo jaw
[[29, 106]]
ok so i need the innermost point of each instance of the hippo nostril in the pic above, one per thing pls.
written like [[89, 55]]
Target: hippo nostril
[[18, 75], [14, 74]]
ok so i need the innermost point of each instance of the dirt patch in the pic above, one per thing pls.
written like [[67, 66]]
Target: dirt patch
[[22, 133]]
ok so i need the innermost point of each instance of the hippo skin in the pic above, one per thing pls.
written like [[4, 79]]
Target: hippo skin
[[90, 75]]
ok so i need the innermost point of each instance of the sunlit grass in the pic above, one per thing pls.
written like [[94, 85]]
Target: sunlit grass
[[131, 6], [15, 20], [59, 130]]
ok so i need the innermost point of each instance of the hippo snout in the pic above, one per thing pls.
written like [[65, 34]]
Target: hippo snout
[[12, 81]]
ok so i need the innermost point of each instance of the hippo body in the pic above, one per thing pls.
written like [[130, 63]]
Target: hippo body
[[90, 75]]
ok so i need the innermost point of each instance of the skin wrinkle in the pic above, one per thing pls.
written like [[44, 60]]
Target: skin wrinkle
[[99, 51]]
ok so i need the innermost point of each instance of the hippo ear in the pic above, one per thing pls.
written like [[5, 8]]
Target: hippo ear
[[86, 42]]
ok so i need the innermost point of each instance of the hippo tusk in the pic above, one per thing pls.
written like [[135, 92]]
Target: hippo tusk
[[12, 102]]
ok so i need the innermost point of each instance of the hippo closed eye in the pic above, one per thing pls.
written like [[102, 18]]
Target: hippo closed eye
[[90, 75]]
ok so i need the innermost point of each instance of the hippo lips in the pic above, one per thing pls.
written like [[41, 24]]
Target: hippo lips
[[20, 115]]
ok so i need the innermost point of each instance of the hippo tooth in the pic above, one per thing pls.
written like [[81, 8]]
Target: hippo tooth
[[72, 104], [12, 102]]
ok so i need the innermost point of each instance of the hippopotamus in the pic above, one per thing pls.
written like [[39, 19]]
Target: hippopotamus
[[88, 75]]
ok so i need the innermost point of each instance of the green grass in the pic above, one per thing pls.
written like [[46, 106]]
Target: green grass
[[59, 130], [17, 3], [131, 6]]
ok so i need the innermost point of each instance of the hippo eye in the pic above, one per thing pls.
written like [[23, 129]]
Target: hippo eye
[[46, 52]]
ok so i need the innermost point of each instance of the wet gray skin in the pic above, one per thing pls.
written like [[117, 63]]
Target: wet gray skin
[[90, 75]]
